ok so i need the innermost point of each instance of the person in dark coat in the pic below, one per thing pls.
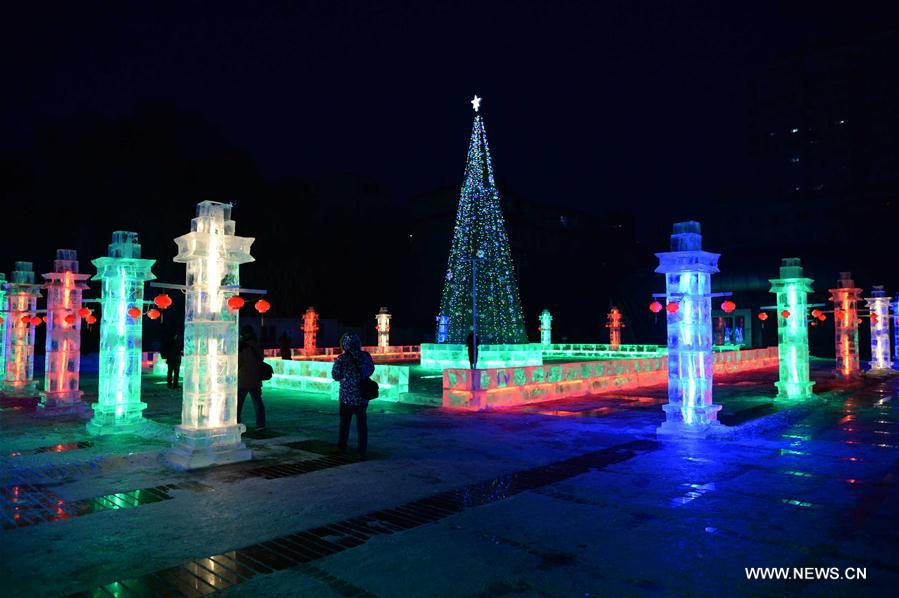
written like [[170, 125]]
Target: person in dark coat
[[470, 342], [284, 346], [351, 367], [171, 352], [249, 375]]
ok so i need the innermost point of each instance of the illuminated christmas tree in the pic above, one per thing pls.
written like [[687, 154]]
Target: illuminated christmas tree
[[480, 251]]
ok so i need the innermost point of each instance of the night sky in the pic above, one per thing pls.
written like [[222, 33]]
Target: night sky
[[588, 105]]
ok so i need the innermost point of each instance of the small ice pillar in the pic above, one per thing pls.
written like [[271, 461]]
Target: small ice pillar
[[3, 317], [209, 433], [845, 321], [614, 325], [546, 328], [18, 334], [442, 328], [879, 306], [895, 306], [122, 274], [688, 271], [310, 328], [792, 290], [383, 327], [63, 347]]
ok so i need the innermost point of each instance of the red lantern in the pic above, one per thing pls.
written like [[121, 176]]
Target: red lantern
[[134, 312], [36, 321], [153, 313], [785, 314], [822, 317], [44, 319], [672, 307], [838, 313], [859, 320], [874, 318], [816, 313], [84, 312], [655, 307], [26, 319], [70, 319], [762, 316], [235, 302], [91, 319], [262, 306], [162, 301], [1, 319], [813, 323], [728, 306]]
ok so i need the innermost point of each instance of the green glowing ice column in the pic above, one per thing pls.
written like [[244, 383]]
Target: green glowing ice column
[[792, 292], [118, 408], [18, 334], [61, 395], [879, 308], [546, 328], [3, 317], [209, 433]]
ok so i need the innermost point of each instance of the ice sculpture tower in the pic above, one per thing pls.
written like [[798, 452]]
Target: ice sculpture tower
[[122, 274], [63, 347], [688, 271], [18, 334], [845, 322], [614, 325], [546, 328], [383, 327], [792, 290], [3, 317], [442, 328], [310, 328], [895, 306], [879, 308], [209, 433]]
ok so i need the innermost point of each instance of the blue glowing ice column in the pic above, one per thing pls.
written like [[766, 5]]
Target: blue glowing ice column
[[895, 306], [62, 356], [688, 269], [3, 317], [792, 291], [122, 273], [546, 328], [18, 334], [209, 433], [879, 309]]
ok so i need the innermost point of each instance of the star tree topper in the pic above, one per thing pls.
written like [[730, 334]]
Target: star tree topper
[[476, 102]]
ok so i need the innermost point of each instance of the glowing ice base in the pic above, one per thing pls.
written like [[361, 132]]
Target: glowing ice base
[[442, 356], [507, 387], [601, 351]]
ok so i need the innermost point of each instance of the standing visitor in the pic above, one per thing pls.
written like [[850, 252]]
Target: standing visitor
[[249, 375], [351, 369], [172, 354]]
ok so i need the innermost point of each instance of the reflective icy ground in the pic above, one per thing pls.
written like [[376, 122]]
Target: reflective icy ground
[[569, 499]]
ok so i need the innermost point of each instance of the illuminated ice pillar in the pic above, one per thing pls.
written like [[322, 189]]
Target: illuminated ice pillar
[[209, 433], [792, 291], [18, 334], [895, 306], [546, 328], [63, 347], [845, 321], [310, 327], [383, 328], [442, 328], [688, 269], [614, 325], [3, 318], [879, 305], [122, 274]]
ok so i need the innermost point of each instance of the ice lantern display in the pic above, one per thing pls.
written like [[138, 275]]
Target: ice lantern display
[[383, 327], [18, 334], [122, 273], [63, 347], [309, 328], [845, 322], [614, 325], [546, 328], [209, 433], [879, 309], [688, 271], [792, 290]]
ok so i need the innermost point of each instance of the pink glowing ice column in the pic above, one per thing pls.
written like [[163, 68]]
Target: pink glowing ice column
[[21, 304], [614, 325], [845, 321], [63, 347], [310, 328]]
